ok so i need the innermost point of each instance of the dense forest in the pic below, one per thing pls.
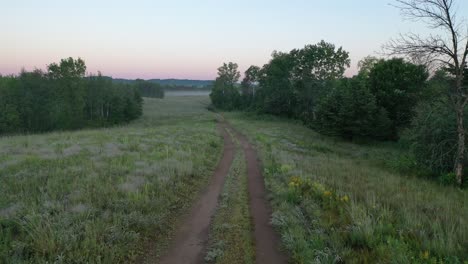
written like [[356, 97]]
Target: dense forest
[[62, 98], [388, 100]]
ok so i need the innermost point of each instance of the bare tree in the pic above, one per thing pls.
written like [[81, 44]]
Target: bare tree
[[447, 48]]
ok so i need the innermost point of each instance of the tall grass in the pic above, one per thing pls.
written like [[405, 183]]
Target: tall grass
[[336, 201], [96, 196]]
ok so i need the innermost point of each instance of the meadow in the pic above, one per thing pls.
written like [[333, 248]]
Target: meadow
[[109, 195], [102, 195], [339, 202]]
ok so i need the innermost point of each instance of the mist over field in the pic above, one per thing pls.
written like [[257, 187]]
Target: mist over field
[[187, 93]]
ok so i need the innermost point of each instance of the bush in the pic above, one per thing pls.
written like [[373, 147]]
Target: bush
[[448, 179], [432, 136], [350, 110], [397, 86]]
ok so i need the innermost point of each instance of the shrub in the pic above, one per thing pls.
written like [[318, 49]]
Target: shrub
[[448, 179], [350, 110], [432, 137], [397, 86]]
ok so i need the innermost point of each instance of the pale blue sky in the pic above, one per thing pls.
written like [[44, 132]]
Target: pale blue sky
[[188, 39]]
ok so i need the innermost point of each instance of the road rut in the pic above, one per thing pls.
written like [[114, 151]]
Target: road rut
[[190, 241]]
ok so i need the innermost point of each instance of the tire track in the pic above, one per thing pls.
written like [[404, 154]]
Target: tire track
[[189, 244], [267, 242]]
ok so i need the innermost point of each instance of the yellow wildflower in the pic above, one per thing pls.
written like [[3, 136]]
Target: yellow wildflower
[[345, 198], [327, 193], [319, 187]]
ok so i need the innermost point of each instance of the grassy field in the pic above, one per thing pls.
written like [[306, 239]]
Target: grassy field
[[98, 196], [336, 201], [104, 195]]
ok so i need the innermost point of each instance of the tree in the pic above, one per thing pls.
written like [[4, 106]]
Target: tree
[[249, 84], [67, 69], [314, 65], [9, 113], [63, 98], [67, 76], [366, 65], [276, 94], [397, 86], [225, 94], [349, 110], [449, 51]]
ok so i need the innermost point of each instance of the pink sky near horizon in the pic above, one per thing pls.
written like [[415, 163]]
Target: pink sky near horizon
[[132, 68], [188, 39]]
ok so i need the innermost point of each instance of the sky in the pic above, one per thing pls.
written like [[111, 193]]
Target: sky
[[188, 39]]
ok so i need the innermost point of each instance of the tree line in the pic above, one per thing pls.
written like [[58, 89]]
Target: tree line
[[389, 99], [62, 98], [149, 89]]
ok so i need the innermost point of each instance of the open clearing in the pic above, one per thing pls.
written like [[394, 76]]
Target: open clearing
[[163, 190]]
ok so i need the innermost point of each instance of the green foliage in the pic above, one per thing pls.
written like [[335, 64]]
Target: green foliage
[[276, 93], [9, 112], [313, 66], [225, 94], [289, 85], [432, 136], [448, 179], [62, 99], [249, 85], [149, 89], [322, 61], [350, 110], [366, 65], [397, 85], [335, 201], [307, 84]]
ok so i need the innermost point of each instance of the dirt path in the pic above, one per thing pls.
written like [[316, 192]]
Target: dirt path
[[189, 245], [266, 240], [190, 241]]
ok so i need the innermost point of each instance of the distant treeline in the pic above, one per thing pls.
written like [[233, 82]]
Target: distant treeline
[[176, 88], [173, 82], [148, 89], [390, 99], [62, 98], [156, 88]]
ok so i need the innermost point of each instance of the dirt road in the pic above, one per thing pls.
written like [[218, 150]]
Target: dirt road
[[189, 245], [190, 240], [266, 240]]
